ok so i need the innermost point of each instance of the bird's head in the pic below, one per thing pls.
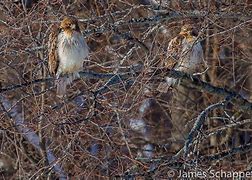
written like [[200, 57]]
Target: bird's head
[[69, 24], [188, 31]]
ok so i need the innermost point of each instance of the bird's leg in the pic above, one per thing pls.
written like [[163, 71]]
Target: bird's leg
[[58, 75], [57, 78], [76, 75]]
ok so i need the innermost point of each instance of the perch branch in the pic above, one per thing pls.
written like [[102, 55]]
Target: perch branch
[[186, 79], [195, 82], [134, 69]]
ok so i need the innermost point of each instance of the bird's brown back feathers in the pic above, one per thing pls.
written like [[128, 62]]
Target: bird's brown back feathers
[[53, 60]]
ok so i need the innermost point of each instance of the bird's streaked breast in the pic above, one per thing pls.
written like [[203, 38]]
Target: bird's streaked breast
[[72, 51], [191, 56]]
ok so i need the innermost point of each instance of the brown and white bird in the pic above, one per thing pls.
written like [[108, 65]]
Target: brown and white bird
[[186, 51], [67, 52]]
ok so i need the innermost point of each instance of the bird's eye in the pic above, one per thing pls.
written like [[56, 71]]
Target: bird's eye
[[61, 29]]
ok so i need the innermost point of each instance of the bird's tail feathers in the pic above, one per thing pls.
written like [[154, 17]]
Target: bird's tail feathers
[[62, 83]]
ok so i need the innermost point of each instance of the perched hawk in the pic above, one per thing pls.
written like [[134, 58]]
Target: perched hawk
[[67, 52], [186, 52]]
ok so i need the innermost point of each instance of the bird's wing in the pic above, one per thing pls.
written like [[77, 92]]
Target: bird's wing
[[174, 51], [203, 66], [172, 46], [53, 60], [192, 56]]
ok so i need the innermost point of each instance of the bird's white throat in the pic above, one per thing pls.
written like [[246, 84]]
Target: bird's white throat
[[72, 51]]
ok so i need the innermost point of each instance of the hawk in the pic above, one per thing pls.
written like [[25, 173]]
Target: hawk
[[186, 52], [67, 52]]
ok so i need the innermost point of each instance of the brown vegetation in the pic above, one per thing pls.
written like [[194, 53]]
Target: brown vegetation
[[115, 124]]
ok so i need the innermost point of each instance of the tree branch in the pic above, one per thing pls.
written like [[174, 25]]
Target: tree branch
[[160, 17], [241, 149], [186, 79], [195, 82], [16, 114], [198, 124]]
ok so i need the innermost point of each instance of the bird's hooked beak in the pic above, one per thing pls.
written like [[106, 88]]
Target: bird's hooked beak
[[187, 35], [183, 33], [73, 26]]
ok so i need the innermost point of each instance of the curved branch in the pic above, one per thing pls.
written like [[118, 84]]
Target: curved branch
[[198, 124]]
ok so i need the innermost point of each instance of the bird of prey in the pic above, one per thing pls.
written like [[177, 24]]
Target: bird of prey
[[186, 52], [67, 52]]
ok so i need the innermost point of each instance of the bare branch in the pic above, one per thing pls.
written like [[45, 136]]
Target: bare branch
[[199, 123], [224, 154], [194, 81], [15, 113]]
